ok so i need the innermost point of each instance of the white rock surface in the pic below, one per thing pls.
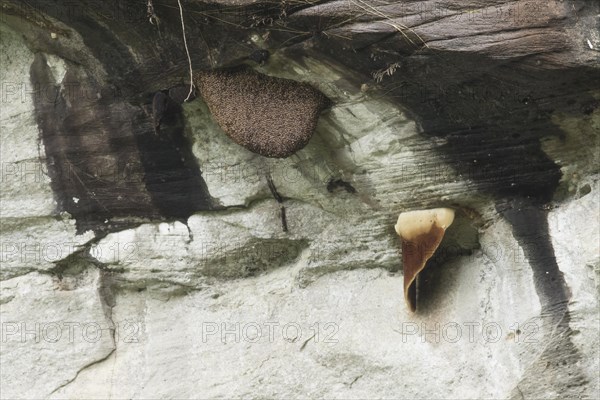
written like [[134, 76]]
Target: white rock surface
[[576, 243], [33, 235], [186, 302], [50, 331]]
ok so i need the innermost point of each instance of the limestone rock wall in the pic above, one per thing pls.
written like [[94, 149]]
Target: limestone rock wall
[[224, 303]]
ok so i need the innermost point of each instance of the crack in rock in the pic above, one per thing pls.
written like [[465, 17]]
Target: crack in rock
[[83, 369]]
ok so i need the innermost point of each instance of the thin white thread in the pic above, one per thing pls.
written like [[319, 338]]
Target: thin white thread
[[187, 52]]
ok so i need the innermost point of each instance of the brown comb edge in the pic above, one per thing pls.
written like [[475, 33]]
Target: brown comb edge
[[415, 254]]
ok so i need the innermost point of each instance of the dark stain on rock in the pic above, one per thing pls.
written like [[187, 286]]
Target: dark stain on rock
[[166, 104], [179, 93], [107, 167], [557, 367], [269, 116], [171, 172], [530, 227], [335, 184], [159, 107]]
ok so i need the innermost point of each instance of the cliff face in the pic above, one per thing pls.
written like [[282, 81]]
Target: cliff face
[[149, 263]]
